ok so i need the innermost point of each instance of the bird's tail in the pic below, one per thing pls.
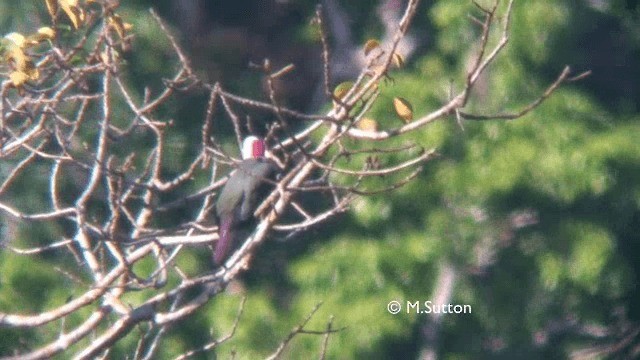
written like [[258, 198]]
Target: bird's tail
[[224, 242]]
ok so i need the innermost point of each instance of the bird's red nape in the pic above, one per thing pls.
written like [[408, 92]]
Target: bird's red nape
[[253, 148], [258, 148]]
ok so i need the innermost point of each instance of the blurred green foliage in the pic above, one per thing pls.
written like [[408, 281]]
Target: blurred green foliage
[[574, 162]]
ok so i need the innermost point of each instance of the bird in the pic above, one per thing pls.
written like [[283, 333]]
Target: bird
[[241, 195]]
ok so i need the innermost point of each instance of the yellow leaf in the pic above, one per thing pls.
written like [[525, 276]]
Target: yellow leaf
[[52, 7], [104, 57], [44, 33], [397, 59], [21, 63], [342, 89], [367, 124], [370, 45], [47, 33], [18, 78], [74, 13], [403, 108], [17, 39], [115, 22], [108, 57], [17, 58]]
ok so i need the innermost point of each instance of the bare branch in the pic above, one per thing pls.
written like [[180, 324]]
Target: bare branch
[[300, 329], [562, 78]]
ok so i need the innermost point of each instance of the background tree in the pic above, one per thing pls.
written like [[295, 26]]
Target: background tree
[[533, 223]]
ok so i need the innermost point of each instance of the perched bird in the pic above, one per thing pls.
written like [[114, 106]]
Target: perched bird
[[241, 195]]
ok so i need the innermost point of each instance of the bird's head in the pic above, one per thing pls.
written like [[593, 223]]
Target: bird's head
[[253, 148]]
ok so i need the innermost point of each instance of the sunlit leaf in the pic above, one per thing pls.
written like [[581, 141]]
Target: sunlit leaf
[[397, 59], [43, 34], [116, 23], [52, 7], [21, 64], [17, 58], [17, 39], [370, 45], [18, 78], [109, 56], [403, 108], [367, 124], [74, 13], [47, 33], [342, 89]]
